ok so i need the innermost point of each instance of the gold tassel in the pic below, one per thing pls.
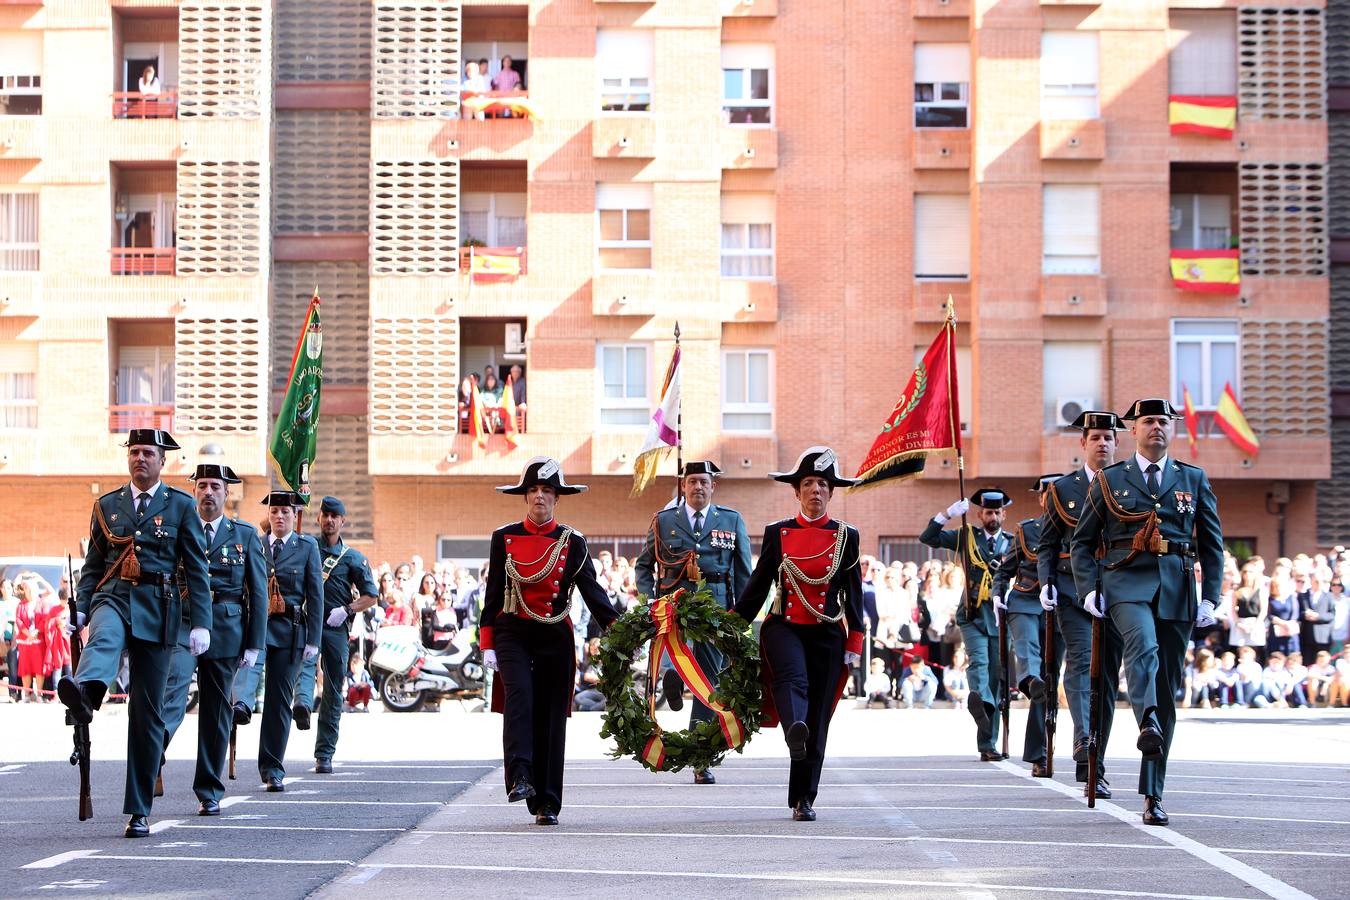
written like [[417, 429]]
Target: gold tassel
[[131, 566], [276, 604]]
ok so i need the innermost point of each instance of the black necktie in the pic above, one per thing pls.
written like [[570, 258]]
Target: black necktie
[[209, 534], [1152, 478], [141, 503], [276, 549], [698, 523]]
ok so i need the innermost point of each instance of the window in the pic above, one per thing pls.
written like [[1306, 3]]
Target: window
[[623, 58], [1204, 359], [747, 235], [1071, 379], [21, 73], [941, 85], [145, 376], [18, 384], [493, 220], [942, 236], [18, 232], [493, 51], [747, 390], [747, 84], [624, 216], [1202, 61], [1201, 221], [1069, 75], [624, 372], [1071, 227]]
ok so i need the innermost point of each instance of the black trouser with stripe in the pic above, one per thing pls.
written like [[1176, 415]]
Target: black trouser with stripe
[[806, 661], [536, 664]]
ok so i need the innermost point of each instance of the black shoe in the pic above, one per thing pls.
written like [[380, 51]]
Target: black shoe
[[137, 826], [76, 699], [1150, 741], [977, 710], [546, 816], [797, 734], [1033, 688], [323, 766], [1154, 814], [1080, 753], [301, 715], [208, 808], [1103, 789], [275, 785], [672, 687], [990, 756], [704, 776], [242, 714], [521, 790], [803, 812], [1039, 770]]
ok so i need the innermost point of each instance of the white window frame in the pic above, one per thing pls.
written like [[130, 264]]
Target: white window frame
[[12, 225], [1206, 389], [624, 243], [918, 233], [628, 85], [748, 251], [741, 61], [1197, 228], [9, 404], [963, 87], [493, 237], [603, 403], [1075, 90], [1064, 263], [748, 408], [163, 375]]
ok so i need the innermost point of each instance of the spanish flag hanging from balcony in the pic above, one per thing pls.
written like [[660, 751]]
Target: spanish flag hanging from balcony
[[1206, 271], [1192, 420], [1229, 417], [509, 413], [494, 264], [663, 432], [477, 418], [518, 105], [1210, 116]]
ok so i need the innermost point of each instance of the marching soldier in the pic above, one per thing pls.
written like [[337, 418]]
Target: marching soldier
[[526, 634], [345, 572], [141, 535], [1153, 517], [1064, 501], [238, 573], [980, 551], [1016, 595], [294, 620], [696, 541], [813, 633]]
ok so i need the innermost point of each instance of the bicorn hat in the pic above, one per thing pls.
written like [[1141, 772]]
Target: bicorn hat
[[1045, 481], [1154, 406], [990, 498], [213, 470], [283, 498], [154, 437], [1097, 419], [700, 467], [542, 470], [815, 461]]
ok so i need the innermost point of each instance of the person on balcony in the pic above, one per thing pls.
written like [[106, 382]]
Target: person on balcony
[[508, 79], [475, 82], [149, 83]]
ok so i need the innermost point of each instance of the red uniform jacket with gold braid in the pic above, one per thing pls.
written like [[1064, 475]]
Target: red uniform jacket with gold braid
[[810, 546], [528, 546]]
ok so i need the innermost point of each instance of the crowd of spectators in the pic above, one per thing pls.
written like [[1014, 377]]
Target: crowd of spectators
[[33, 643]]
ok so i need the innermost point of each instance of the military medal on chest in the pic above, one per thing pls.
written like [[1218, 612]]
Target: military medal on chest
[[159, 527], [1185, 501]]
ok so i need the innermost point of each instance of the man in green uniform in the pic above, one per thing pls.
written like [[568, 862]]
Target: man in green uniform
[[294, 621], [691, 542], [344, 569], [238, 572], [980, 549], [141, 535], [1017, 596], [1153, 517], [1064, 502]]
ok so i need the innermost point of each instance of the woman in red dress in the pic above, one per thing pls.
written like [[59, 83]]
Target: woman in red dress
[[56, 649], [28, 635]]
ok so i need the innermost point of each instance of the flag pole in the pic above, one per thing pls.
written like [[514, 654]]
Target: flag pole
[[679, 427], [950, 325]]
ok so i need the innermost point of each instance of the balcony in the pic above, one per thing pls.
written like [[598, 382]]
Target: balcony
[[495, 419], [142, 261], [21, 95], [139, 415], [490, 265], [135, 105], [497, 105], [1203, 224]]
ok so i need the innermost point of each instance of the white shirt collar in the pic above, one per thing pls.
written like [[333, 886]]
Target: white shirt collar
[[214, 523], [1090, 472], [136, 492], [690, 512], [1144, 462], [282, 541]]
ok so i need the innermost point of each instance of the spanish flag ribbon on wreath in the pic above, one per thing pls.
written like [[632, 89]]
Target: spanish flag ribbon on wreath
[[295, 434]]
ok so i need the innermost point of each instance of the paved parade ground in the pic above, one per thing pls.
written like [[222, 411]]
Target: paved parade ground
[[1260, 807]]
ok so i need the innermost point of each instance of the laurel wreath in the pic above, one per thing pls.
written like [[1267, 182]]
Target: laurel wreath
[[920, 388], [627, 718]]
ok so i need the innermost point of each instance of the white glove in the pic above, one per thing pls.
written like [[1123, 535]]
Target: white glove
[[80, 619], [311, 651], [1090, 604], [337, 617], [852, 659], [998, 616], [1049, 597], [249, 660], [959, 508], [1204, 614], [199, 639], [490, 659], [1002, 602]]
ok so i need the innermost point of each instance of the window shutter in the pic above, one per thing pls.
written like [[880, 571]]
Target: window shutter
[[623, 196], [1069, 57], [941, 62], [747, 208], [747, 56], [21, 52], [1071, 223], [1203, 57], [623, 53], [941, 235], [18, 357]]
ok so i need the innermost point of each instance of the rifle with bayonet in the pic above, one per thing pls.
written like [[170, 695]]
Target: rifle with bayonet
[[1050, 676], [1095, 699], [79, 756]]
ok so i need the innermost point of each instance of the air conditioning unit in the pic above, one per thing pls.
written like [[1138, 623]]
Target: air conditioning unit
[[515, 340], [1069, 408]]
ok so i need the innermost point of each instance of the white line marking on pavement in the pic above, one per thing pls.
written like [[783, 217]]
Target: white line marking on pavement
[[51, 862], [1248, 818], [231, 801], [229, 859], [988, 786], [620, 766], [1281, 852], [1317, 781], [784, 806], [410, 781], [705, 835], [365, 875], [10, 769], [414, 766], [164, 825], [1266, 884], [356, 802], [283, 828], [1227, 762], [1242, 795]]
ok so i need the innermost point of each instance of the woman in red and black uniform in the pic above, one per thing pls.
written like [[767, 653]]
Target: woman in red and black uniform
[[526, 634], [814, 631]]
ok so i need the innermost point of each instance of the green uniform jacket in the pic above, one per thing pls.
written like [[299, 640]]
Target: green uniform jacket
[[1053, 563], [168, 536], [993, 549], [238, 569], [298, 575], [341, 571], [1188, 513], [1018, 570], [723, 550]]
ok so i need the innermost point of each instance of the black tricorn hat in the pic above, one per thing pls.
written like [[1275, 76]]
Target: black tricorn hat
[[154, 437], [1097, 419], [212, 470], [1154, 406], [700, 467], [283, 498], [990, 498], [1045, 481], [542, 470], [820, 462]]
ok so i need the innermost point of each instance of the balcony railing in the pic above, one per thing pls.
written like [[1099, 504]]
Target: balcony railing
[[142, 260], [135, 105], [139, 415], [488, 264], [495, 416], [497, 105]]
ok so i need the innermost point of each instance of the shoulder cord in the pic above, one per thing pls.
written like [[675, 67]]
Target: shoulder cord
[[685, 565], [1146, 538], [515, 602], [1022, 544], [791, 577], [970, 550], [126, 567], [1060, 512]]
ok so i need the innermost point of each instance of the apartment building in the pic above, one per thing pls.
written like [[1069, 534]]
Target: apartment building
[[800, 184]]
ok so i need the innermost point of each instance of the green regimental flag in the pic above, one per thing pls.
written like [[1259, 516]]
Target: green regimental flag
[[296, 432]]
